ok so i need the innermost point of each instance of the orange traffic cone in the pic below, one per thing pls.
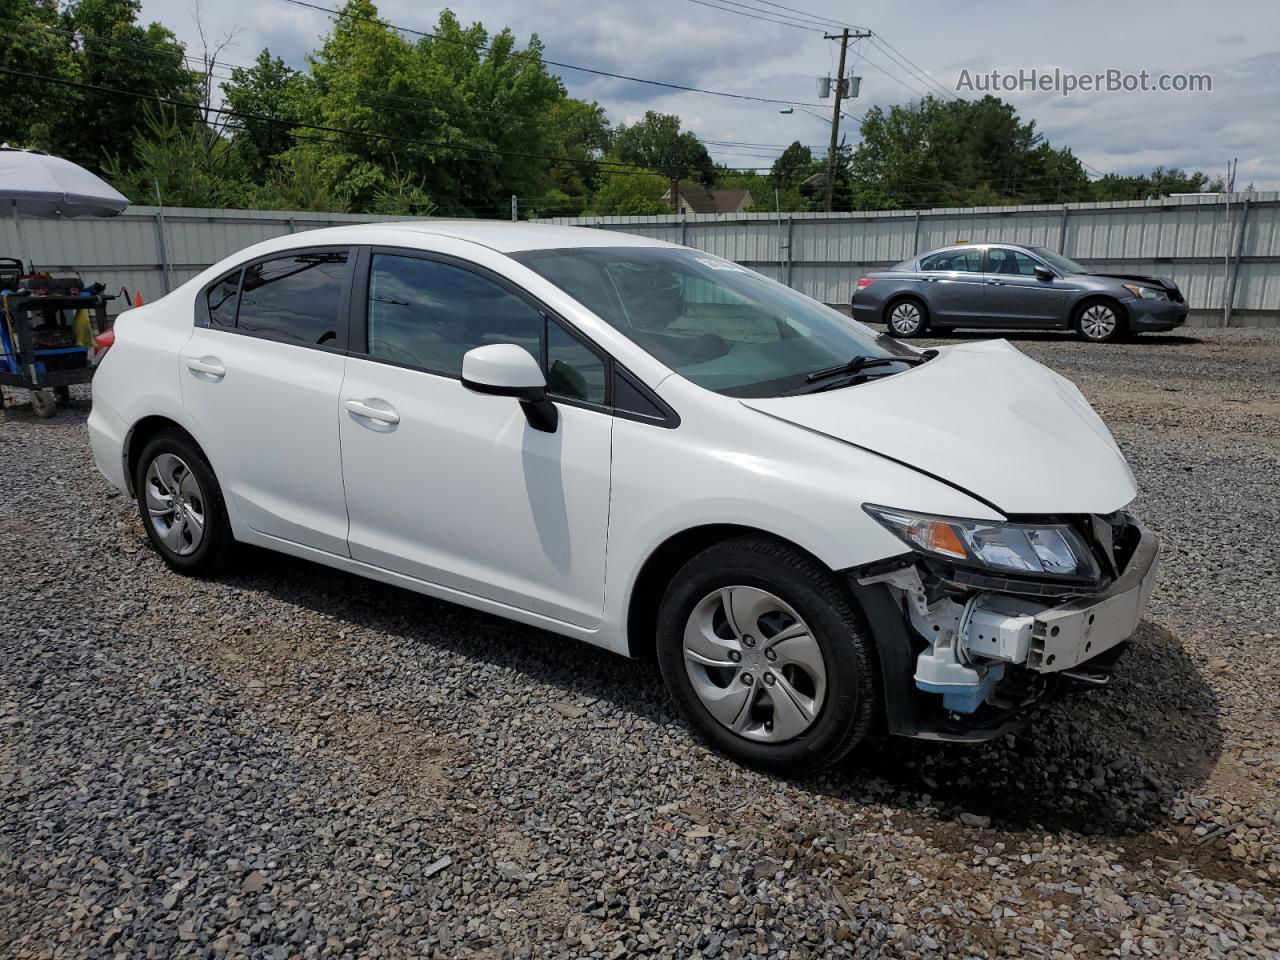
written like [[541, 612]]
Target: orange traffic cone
[[137, 298]]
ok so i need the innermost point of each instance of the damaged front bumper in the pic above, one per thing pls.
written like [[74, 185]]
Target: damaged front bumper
[[964, 661]]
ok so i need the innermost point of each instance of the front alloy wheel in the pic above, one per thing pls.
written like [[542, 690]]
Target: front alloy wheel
[[754, 664], [906, 319], [766, 656], [1099, 323]]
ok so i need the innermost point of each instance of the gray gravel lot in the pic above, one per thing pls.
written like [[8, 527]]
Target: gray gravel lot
[[295, 762]]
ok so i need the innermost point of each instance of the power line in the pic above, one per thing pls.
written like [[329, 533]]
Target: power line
[[798, 25], [553, 63], [884, 47]]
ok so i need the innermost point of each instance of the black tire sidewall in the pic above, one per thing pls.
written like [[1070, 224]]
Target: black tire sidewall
[[212, 552], [846, 711]]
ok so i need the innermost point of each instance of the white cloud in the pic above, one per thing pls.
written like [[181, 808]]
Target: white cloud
[[688, 44]]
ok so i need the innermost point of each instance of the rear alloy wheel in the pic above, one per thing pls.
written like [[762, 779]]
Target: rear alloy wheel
[[181, 505], [907, 319], [1099, 322], [765, 656]]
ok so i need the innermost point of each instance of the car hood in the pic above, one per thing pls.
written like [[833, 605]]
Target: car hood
[[984, 417], [1164, 283]]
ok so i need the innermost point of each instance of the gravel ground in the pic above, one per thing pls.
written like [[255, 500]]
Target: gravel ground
[[295, 762]]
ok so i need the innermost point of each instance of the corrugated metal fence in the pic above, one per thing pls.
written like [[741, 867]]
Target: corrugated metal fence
[[149, 250], [1211, 245]]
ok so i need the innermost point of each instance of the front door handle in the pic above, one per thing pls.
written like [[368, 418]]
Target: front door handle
[[373, 409], [995, 283], [209, 366]]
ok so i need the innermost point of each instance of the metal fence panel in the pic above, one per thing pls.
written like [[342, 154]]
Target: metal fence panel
[[820, 254]]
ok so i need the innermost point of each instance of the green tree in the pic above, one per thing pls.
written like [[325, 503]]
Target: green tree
[[181, 163], [954, 152], [1160, 182], [657, 142], [630, 193], [32, 112], [266, 97], [113, 50], [793, 165], [579, 130]]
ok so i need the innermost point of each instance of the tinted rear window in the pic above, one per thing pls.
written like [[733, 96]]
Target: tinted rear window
[[295, 298]]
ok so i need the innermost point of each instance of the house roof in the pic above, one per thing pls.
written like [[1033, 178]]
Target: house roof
[[703, 199]]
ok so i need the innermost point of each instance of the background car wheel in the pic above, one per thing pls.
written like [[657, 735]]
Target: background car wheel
[[907, 318], [1100, 322], [181, 505], [766, 657], [43, 403]]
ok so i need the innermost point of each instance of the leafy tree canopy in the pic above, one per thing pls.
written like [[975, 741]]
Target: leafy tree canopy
[[658, 143]]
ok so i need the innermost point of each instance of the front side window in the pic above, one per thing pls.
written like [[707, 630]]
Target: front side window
[[963, 261], [574, 370], [1005, 261], [1064, 265], [427, 314], [295, 298], [721, 326]]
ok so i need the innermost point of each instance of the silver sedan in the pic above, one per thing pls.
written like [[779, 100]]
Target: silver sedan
[[1011, 286]]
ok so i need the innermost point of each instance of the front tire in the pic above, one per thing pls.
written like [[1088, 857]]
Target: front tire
[[181, 505], [907, 318], [766, 657], [1098, 321]]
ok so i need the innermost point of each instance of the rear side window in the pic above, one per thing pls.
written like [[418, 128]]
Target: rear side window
[[964, 261], [222, 299], [295, 298]]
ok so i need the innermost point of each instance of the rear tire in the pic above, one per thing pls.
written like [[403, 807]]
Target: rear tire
[[181, 505], [1100, 321], [907, 317], [751, 619]]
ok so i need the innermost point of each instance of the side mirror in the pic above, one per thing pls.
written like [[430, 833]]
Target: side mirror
[[1044, 273], [506, 370]]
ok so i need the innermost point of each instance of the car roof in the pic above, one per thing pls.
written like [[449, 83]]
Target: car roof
[[503, 236]]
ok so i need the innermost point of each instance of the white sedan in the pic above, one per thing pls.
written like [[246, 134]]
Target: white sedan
[[817, 531]]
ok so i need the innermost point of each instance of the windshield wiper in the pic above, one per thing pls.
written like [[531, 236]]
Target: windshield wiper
[[860, 363]]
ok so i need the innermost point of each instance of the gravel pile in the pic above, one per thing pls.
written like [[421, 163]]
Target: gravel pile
[[291, 762]]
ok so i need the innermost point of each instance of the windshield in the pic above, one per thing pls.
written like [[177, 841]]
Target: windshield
[[1057, 261], [722, 326]]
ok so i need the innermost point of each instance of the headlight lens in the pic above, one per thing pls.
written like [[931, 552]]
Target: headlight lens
[[1054, 550], [1145, 293]]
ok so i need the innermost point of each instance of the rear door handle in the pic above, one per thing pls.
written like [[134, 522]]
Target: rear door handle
[[209, 366], [373, 409], [995, 283]]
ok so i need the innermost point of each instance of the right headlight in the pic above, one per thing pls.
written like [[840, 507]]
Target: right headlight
[[1146, 293], [1055, 550]]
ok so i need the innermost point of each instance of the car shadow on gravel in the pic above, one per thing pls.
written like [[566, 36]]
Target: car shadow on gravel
[[577, 669], [1105, 761]]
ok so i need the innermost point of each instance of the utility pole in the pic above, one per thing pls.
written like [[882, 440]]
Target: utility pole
[[841, 85]]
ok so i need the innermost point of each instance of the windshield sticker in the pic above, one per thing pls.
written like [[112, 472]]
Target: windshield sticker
[[720, 265]]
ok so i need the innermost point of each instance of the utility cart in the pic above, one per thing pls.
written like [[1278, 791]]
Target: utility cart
[[47, 328], [48, 321]]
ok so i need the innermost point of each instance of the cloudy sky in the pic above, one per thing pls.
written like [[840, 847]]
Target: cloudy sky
[[1236, 42]]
